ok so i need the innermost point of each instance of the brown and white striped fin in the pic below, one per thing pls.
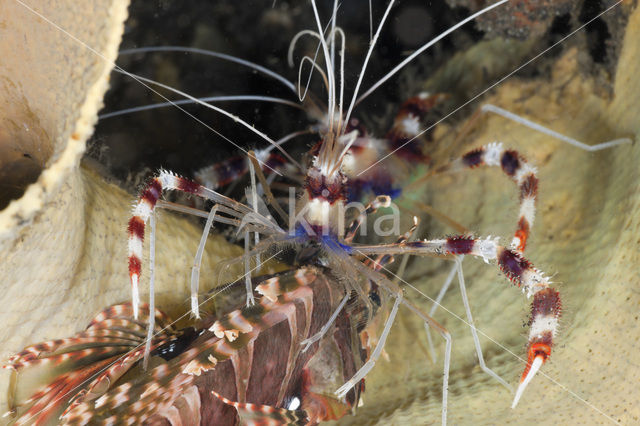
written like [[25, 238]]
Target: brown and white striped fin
[[260, 364], [256, 414], [51, 376]]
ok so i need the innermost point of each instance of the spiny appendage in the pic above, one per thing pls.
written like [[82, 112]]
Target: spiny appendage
[[510, 261], [133, 403], [546, 307], [545, 313], [142, 210], [138, 399], [410, 123], [111, 327], [158, 390], [515, 167], [79, 368], [256, 414]]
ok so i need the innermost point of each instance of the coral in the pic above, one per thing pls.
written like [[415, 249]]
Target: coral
[[63, 242]]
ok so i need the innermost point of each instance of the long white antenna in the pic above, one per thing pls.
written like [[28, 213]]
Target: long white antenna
[[331, 76], [425, 47], [364, 65], [562, 40], [315, 65], [341, 53], [215, 108], [218, 55], [332, 33], [140, 108]]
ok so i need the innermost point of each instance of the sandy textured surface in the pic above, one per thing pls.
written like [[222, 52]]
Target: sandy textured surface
[[52, 87], [62, 245]]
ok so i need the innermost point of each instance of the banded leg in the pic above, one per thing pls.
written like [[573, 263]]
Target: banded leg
[[521, 172], [516, 167], [546, 309], [546, 306], [524, 175], [358, 165], [240, 216], [234, 168], [407, 125], [145, 206]]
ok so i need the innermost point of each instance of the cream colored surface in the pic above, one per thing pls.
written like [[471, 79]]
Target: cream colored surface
[[62, 244], [585, 236]]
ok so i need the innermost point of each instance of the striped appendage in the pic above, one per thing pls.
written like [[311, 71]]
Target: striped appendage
[[360, 165], [265, 414], [252, 357], [142, 211], [409, 124], [82, 366], [545, 314], [546, 307], [517, 169]]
